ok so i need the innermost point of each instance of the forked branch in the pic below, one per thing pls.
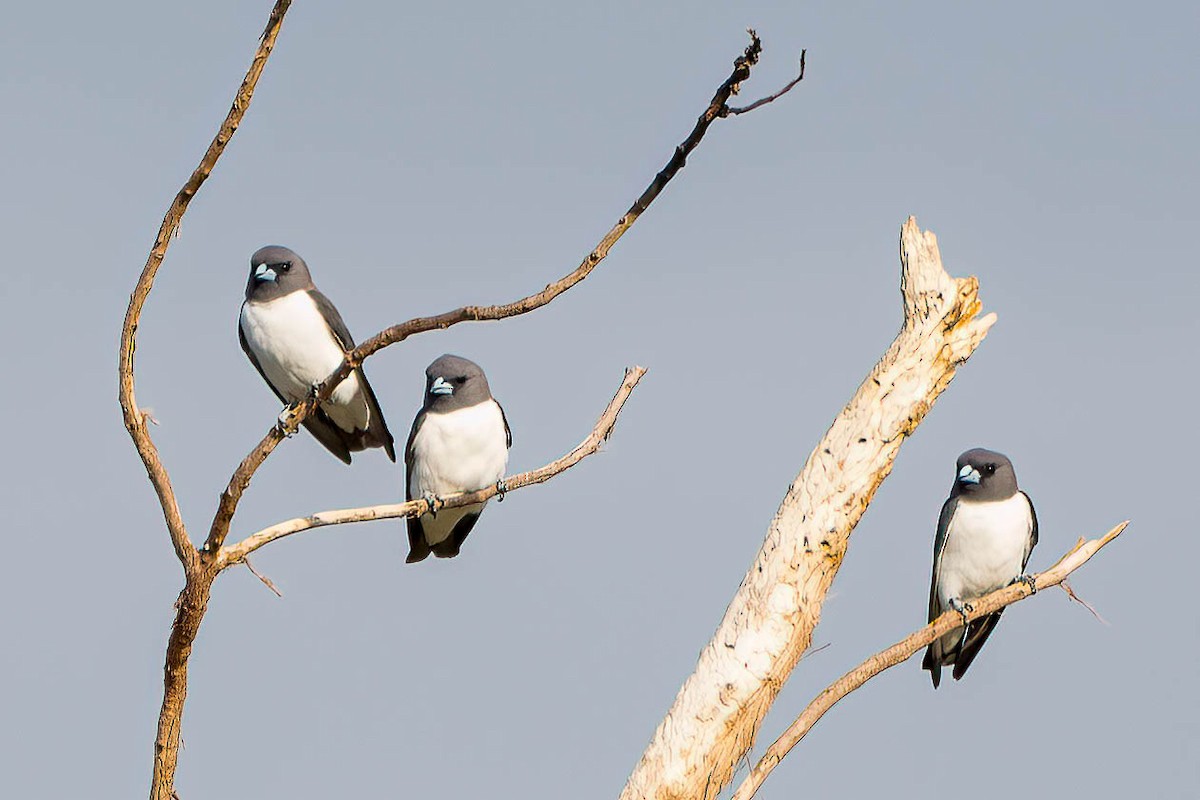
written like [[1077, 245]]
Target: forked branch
[[900, 652], [232, 554], [135, 418], [717, 109], [201, 567]]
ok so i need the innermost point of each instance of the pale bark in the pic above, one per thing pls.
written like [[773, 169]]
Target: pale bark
[[770, 621]]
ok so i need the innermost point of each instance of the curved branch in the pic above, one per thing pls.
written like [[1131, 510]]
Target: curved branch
[[770, 621], [135, 418], [717, 109], [900, 652], [771, 98], [234, 553]]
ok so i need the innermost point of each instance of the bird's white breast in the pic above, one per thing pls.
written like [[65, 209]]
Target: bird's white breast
[[985, 545], [296, 349], [461, 451]]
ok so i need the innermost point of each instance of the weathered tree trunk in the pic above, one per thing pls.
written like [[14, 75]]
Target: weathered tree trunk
[[770, 622], [189, 612]]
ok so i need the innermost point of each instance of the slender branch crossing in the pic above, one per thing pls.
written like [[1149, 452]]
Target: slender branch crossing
[[900, 652], [717, 109], [231, 554]]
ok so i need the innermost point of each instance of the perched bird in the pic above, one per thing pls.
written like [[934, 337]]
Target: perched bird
[[459, 443], [986, 531], [296, 338]]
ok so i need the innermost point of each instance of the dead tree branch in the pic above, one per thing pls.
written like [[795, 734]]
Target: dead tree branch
[[135, 419], [232, 554], [202, 566], [193, 600], [717, 109], [771, 98], [901, 651], [770, 621]]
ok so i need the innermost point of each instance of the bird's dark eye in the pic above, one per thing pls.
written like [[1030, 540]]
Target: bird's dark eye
[[284, 266], [461, 379], [989, 469]]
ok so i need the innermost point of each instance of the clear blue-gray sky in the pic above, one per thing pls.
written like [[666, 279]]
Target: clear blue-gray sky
[[423, 156]]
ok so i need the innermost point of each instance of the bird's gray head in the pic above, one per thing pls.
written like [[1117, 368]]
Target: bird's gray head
[[274, 272], [453, 382], [984, 475]]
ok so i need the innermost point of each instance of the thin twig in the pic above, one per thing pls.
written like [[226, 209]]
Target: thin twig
[[812, 651], [296, 413], [900, 652], [270, 584], [771, 98], [1066, 587], [232, 554]]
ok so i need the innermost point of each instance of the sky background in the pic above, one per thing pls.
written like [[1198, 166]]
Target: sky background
[[425, 156]]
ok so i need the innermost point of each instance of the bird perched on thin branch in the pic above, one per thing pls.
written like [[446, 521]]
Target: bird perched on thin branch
[[985, 533], [296, 338], [459, 443]]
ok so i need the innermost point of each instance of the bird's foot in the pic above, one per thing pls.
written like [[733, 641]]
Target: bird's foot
[[433, 501], [501, 490], [962, 609], [1028, 580], [284, 423]]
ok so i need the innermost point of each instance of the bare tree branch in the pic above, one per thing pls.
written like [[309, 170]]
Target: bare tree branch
[[135, 418], [770, 621], [231, 554], [900, 652], [193, 600], [202, 566], [296, 413], [771, 98]]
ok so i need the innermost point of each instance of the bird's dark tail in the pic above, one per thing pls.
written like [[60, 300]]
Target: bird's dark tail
[[418, 550], [933, 665], [977, 634]]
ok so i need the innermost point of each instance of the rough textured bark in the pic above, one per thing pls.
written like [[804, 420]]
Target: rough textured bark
[[903, 650], [770, 621], [189, 611]]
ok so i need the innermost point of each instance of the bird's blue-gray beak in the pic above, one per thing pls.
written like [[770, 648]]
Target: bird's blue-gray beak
[[440, 386], [264, 273], [968, 474]]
